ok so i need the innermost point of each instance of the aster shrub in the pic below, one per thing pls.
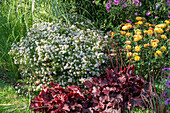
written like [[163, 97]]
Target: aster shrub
[[143, 44], [57, 52], [115, 91]]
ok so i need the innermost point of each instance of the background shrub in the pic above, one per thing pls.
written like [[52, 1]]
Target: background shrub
[[105, 18]]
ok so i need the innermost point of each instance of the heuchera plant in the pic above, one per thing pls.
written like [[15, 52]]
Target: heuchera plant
[[57, 100], [116, 91], [119, 89]]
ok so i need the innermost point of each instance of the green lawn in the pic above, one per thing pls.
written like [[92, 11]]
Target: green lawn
[[10, 101]]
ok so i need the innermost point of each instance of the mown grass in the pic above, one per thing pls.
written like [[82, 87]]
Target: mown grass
[[10, 101]]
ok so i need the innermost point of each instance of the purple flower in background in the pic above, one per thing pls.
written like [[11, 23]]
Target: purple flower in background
[[140, 4], [165, 69], [156, 6], [124, 4], [168, 15], [108, 5], [116, 2], [136, 13], [148, 13], [156, 17], [167, 101], [136, 2], [168, 84], [108, 10], [168, 2], [127, 20], [168, 76]]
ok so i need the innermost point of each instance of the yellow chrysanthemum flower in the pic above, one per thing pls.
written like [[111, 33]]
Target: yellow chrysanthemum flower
[[136, 39], [129, 54], [139, 32], [128, 42], [150, 32], [122, 24], [152, 41], [138, 18], [159, 52], [146, 45], [123, 32], [161, 26], [129, 26], [156, 54], [140, 37], [164, 37], [158, 30], [137, 48], [125, 28], [154, 44], [140, 22], [128, 47], [112, 34], [163, 48], [135, 54], [134, 36], [128, 34], [167, 22], [156, 40], [146, 31], [150, 24], [137, 58]]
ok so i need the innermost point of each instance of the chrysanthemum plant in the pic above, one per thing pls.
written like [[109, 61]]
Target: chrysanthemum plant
[[146, 46], [143, 44], [60, 53]]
